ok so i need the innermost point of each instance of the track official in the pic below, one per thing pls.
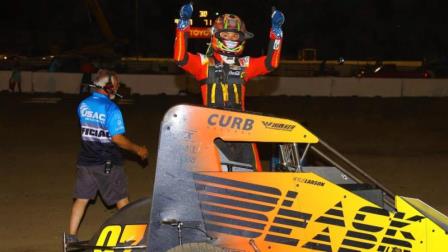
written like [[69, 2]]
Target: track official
[[100, 164]]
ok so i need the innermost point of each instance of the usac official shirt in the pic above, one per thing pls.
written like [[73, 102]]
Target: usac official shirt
[[100, 119]]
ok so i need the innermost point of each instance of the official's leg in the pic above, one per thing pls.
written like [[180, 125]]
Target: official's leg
[[12, 85], [85, 190], [78, 210], [122, 203]]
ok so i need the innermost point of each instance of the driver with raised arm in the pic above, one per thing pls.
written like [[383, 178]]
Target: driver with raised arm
[[222, 72]]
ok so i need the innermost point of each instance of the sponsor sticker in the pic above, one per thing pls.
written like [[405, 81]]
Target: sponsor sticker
[[231, 122], [278, 126], [276, 44]]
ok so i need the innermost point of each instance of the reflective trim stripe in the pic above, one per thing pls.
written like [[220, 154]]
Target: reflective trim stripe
[[213, 94], [204, 59], [204, 91], [180, 49], [225, 91], [275, 58], [235, 90]]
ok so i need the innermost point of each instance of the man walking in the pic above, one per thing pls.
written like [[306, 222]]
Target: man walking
[[100, 165]]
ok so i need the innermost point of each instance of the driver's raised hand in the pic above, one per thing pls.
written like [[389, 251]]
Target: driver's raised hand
[[277, 19], [185, 13]]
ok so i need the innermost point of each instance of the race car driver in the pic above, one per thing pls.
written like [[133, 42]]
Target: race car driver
[[223, 72]]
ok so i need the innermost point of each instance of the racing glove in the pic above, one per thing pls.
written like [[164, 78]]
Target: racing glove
[[278, 19], [185, 14]]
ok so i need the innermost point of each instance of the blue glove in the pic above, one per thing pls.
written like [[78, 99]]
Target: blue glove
[[185, 14], [277, 21]]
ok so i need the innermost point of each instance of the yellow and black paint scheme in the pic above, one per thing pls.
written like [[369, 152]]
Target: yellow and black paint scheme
[[304, 212], [267, 211], [113, 235], [127, 228]]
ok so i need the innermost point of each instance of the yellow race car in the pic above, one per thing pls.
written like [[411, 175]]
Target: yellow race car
[[311, 199]]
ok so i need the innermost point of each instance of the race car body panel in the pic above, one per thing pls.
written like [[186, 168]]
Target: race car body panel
[[321, 207]]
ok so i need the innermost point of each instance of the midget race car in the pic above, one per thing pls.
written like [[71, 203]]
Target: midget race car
[[311, 198]]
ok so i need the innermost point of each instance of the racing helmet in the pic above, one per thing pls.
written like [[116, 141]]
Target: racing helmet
[[229, 23]]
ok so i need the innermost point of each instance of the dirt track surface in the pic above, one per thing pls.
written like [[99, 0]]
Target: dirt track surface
[[401, 142]]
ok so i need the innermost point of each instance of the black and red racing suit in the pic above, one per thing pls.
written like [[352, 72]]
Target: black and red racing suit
[[223, 80]]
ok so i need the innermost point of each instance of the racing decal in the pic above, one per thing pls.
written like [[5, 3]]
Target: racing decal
[[204, 58], [219, 123], [277, 43], [244, 61], [229, 207], [117, 235], [108, 237], [309, 181], [334, 216], [278, 126], [362, 233], [321, 241], [231, 122], [223, 181], [234, 73], [291, 219], [256, 211]]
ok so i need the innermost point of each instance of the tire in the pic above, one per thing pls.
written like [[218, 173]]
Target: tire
[[196, 247]]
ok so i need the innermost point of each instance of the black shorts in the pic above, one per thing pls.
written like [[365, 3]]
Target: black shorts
[[91, 179]]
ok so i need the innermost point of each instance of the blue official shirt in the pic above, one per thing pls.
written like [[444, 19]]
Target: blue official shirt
[[100, 119]]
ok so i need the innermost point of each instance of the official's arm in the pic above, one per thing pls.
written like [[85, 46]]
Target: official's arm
[[124, 143]]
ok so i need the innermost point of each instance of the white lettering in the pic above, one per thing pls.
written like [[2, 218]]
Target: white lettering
[[86, 112]]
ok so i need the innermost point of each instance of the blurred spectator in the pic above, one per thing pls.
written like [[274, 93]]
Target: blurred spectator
[[55, 65], [326, 70], [87, 69], [322, 67], [16, 78]]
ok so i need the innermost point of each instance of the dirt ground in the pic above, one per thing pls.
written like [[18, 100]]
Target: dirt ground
[[401, 142]]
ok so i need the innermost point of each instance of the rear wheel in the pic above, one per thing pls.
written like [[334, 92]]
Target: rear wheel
[[196, 247]]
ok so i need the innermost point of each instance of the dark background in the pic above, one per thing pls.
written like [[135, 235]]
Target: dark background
[[353, 29]]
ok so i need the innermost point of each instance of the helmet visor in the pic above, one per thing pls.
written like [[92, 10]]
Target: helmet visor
[[231, 34]]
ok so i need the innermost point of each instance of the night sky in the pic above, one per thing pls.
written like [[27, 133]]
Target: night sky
[[353, 29]]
